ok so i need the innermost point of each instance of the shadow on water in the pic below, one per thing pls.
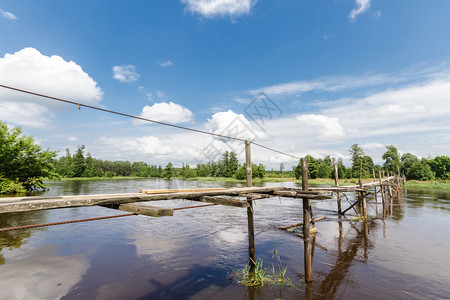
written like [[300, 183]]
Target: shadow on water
[[197, 279]]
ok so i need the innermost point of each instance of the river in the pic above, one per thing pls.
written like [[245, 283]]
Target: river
[[199, 253]]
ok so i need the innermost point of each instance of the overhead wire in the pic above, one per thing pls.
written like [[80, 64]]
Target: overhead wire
[[79, 105]]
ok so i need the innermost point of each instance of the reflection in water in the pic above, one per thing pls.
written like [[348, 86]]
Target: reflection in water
[[16, 238], [42, 275], [346, 258]]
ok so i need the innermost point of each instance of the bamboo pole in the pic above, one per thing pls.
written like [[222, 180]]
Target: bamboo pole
[[251, 229], [306, 224]]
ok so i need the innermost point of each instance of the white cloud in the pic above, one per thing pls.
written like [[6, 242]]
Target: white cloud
[[137, 145], [25, 114], [166, 112], [371, 146], [72, 139], [212, 8], [8, 15], [361, 7], [322, 126], [416, 108], [166, 64], [28, 69], [327, 83], [125, 73], [231, 124], [377, 14]]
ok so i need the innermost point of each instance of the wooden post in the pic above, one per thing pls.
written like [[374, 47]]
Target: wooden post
[[336, 183], [306, 224], [362, 197], [374, 187], [382, 194], [251, 229]]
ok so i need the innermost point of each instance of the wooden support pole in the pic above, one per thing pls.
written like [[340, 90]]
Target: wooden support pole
[[306, 224], [375, 187], [336, 183], [362, 197], [251, 229], [383, 198]]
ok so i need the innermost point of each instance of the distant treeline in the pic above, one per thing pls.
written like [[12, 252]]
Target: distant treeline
[[81, 165], [24, 164]]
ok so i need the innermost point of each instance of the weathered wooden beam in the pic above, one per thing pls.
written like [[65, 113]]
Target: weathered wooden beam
[[16, 204], [254, 195], [300, 194], [146, 210], [224, 201], [301, 224], [181, 191]]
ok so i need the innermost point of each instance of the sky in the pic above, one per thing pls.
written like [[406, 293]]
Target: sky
[[303, 77]]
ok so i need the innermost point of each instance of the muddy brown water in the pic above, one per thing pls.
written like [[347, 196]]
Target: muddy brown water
[[199, 253]]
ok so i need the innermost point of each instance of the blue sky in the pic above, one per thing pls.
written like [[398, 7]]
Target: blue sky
[[339, 72]]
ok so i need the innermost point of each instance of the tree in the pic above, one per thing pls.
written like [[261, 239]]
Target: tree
[[440, 165], [392, 158], [357, 154], [78, 163], [407, 161], [168, 171], [22, 161], [420, 171]]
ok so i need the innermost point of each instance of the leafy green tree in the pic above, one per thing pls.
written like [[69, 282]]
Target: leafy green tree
[[22, 161], [420, 171], [406, 161], [357, 154], [168, 171], [78, 163], [392, 158], [232, 165], [440, 165], [259, 171]]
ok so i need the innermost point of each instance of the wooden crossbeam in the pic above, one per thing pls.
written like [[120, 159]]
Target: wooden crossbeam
[[146, 210], [228, 201]]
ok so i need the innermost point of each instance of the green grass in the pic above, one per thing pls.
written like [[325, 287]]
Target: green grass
[[434, 184], [261, 276]]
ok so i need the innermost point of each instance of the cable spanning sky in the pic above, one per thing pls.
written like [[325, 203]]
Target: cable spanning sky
[[304, 77]]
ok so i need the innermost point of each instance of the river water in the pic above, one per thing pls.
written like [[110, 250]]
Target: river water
[[199, 253]]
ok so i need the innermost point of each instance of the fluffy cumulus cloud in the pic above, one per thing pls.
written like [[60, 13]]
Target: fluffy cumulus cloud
[[166, 112], [229, 123], [30, 70], [125, 74], [7, 15], [361, 7], [135, 146], [322, 126], [212, 8]]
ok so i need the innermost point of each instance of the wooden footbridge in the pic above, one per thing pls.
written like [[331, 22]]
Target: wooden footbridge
[[388, 187], [137, 203]]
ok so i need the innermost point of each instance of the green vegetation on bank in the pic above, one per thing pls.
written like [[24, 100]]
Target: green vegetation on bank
[[24, 164]]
